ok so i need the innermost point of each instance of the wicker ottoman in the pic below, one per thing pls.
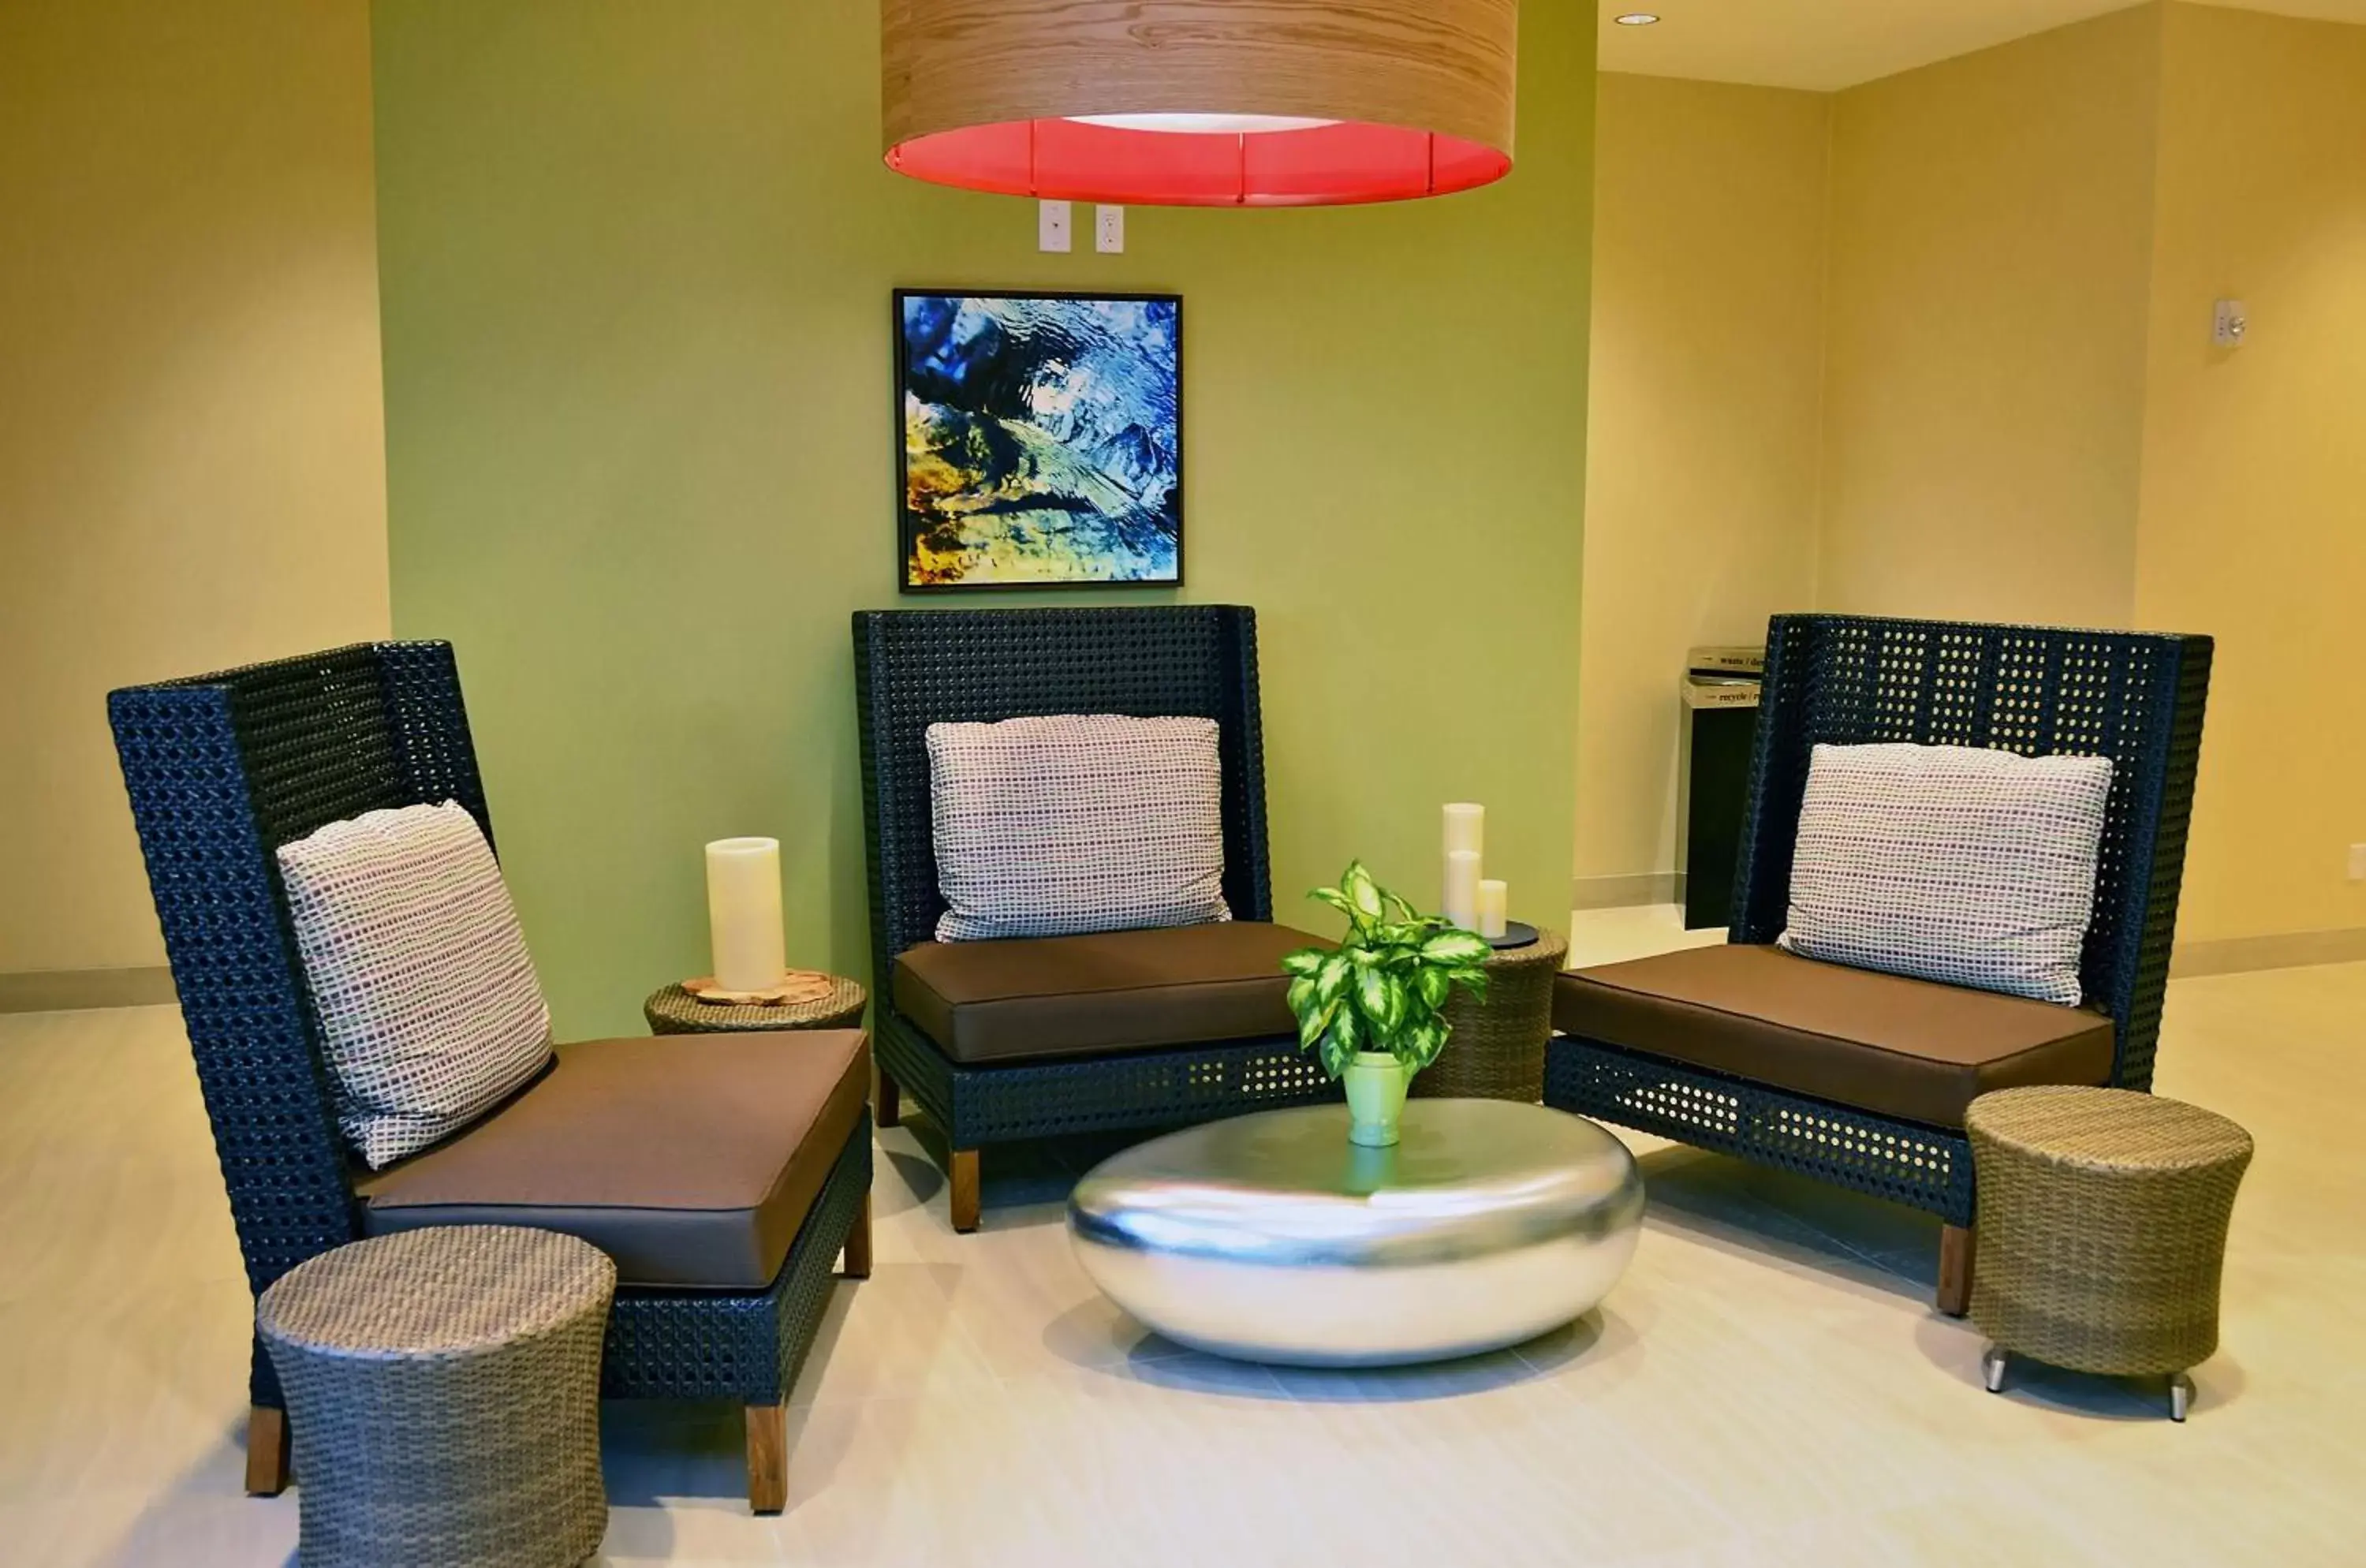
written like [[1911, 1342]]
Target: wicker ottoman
[[1497, 1049], [2102, 1230], [443, 1393]]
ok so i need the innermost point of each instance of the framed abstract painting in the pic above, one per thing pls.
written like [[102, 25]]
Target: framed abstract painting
[[1040, 440]]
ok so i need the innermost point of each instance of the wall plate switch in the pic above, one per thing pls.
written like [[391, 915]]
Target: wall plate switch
[[2228, 322], [1053, 228], [1109, 229], [2357, 863]]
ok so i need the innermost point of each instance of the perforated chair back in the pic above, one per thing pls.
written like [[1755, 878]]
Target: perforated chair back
[[914, 668], [222, 770], [2135, 697]]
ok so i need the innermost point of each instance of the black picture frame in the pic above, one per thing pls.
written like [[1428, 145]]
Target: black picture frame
[[908, 527]]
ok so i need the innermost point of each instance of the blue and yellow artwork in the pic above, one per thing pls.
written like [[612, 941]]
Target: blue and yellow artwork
[[1042, 439]]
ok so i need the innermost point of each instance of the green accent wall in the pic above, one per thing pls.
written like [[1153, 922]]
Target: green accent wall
[[634, 267]]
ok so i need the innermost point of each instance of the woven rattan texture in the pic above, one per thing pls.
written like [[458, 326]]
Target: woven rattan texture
[[1908, 1163], [443, 1395], [914, 668], [2103, 1218], [221, 769], [976, 1106], [710, 1345], [1497, 1049], [2134, 697], [673, 1011]]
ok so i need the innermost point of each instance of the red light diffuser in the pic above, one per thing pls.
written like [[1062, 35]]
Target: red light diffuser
[[1201, 102]]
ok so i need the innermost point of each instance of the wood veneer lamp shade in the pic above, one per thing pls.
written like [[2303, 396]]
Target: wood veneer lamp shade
[[1200, 103]]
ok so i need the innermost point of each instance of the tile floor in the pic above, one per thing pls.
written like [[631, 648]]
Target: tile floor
[[1768, 1385]]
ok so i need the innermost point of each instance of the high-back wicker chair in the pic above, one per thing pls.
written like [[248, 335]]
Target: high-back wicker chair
[[222, 769], [914, 668], [2135, 697]]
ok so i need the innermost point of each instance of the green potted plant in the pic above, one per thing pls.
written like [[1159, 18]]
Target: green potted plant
[[1373, 1007]]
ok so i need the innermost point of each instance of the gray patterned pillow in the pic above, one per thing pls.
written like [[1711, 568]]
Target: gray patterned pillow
[[1052, 826], [1949, 863], [430, 1011]]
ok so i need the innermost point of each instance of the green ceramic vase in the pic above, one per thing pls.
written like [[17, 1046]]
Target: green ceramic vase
[[1376, 1095]]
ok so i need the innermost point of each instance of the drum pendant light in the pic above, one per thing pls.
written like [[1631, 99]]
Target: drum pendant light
[[1200, 103]]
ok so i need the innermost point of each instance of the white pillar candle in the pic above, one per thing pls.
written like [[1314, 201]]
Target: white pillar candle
[[1466, 828], [1462, 887], [1495, 899], [743, 913]]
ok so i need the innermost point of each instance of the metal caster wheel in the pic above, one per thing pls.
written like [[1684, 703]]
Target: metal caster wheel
[[2180, 1395], [1992, 1369]]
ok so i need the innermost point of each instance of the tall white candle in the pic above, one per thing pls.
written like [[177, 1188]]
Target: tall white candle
[[1462, 887], [1494, 903], [743, 913], [1466, 828]]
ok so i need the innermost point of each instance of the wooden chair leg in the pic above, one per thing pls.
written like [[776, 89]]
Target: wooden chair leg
[[961, 1178], [267, 1450], [1955, 1269], [887, 1098], [858, 1243], [767, 1458]]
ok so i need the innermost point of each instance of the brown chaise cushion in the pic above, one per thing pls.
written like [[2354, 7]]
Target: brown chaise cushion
[[691, 1159], [1913, 1049], [1071, 996]]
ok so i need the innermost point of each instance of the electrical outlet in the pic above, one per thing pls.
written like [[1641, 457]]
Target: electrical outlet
[[1054, 226], [1109, 230], [2357, 863]]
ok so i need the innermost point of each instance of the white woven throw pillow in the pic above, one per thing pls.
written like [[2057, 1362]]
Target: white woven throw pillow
[[430, 1011], [1051, 827], [1949, 863]]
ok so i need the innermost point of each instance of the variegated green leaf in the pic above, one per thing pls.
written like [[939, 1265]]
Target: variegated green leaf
[[1332, 978], [1456, 947], [1305, 961], [1362, 892], [1301, 993], [1380, 999], [1315, 1021]]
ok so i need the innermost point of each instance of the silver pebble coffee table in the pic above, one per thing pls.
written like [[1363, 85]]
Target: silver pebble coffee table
[[1270, 1238]]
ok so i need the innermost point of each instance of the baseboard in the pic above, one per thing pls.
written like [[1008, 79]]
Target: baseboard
[[2287, 950], [66, 990], [1625, 891]]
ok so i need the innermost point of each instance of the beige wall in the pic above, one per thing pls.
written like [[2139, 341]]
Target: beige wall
[[2021, 416], [191, 458], [1991, 232], [2254, 521], [1700, 494]]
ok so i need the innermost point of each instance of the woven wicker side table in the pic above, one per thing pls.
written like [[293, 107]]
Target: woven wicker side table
[[444, 1398], [1497, 1049], [673, 1011], [2102, 1230]]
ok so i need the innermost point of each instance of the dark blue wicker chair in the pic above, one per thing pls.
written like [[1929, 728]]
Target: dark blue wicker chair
[[221, 769], [914, 668], [2136, 698]]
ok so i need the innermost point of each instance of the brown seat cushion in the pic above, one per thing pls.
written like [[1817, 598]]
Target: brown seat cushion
[[691, 1159], [1908, 1048], [1070, 996]]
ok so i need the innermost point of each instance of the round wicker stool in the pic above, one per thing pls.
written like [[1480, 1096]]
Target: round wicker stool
[[675, 1011], [1497, 1049], [2102, 1230], [444, 1398]]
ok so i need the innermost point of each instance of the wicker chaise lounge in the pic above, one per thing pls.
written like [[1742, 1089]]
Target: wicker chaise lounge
[[1032, 1037], [724, 1174], [1862, 1078]]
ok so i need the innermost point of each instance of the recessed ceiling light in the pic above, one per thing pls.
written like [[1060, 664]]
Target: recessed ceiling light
[[1637, 18]]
